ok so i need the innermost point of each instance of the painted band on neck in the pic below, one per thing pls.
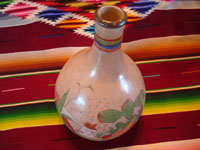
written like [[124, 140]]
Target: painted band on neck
[[107, 45]]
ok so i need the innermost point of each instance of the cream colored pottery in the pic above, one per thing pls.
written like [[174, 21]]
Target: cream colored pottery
[[100, 92]]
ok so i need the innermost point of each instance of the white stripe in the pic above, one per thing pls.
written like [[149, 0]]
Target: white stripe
[[11, 90], [11, 21], [190, 144], [180, 4], [150, 76]]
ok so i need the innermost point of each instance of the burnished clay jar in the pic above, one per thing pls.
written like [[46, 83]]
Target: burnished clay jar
[[100, 91]]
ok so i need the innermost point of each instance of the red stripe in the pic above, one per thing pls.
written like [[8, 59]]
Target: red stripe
[[28, 8], [168, 22], [168, 127], [37, 85], [170, 74], [106, 50]]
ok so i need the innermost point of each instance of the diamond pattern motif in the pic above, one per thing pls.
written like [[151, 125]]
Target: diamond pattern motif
[[71, 23], [21, 10], [74, 15], [51, 14], [143, 7]]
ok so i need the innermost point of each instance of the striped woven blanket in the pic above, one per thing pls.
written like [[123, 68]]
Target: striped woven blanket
[[37, 37]]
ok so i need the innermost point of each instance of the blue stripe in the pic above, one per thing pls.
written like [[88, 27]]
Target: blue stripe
[[46, 36], [107, 47], [51, 14], [142, 7], [143, 3]]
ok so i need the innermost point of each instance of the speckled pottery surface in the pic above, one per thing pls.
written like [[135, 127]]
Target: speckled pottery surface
[[100, 91]]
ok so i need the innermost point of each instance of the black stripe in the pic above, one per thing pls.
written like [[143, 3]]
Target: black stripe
[[76, 23], [66, 139], [165, 128], [146, 26]]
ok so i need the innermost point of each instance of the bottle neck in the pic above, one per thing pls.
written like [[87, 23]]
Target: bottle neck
[[108, 40], [102, 59]]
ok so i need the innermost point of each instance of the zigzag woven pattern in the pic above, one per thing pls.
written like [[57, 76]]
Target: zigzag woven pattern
[[80, 14]]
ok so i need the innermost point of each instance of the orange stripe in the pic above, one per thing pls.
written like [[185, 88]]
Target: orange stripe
[[105, 50], [70, 26], [71, 21], [190, 72], [108, 40], [132, 20]]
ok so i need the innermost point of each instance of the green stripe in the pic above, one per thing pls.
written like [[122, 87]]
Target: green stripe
[[28, 74], [197, 85], [182, 94], [173, 102], [27, 111], [106, 43], [153, 100], [6, 2], [28, 116], [36, 101], [173, 98]]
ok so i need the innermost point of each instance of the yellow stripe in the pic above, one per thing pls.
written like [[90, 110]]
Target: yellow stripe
[[79, 4], [31, 122], [170, 108], [51, 84], [109, 3]]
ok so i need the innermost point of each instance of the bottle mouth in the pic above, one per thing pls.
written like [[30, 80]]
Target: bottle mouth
[[110, 17]]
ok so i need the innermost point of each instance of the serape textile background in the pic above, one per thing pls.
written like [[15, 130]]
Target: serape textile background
[[38, 36]]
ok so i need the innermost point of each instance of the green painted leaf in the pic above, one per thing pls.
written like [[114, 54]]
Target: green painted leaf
[[111, 130], [136, 117], [120, 125], [98, 135], [62, 101], [127, 109], [140, 98], [133, 119], [109, 115]]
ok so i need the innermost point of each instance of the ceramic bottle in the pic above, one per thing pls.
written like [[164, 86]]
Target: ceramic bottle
[[100, 92]]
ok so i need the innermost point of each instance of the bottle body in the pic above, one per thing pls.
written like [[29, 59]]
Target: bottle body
[[100, 93]]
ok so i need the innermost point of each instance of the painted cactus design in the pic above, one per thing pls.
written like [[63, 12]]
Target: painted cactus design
[[117, 121], [62, 101], [109, 115], [127, 111]]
